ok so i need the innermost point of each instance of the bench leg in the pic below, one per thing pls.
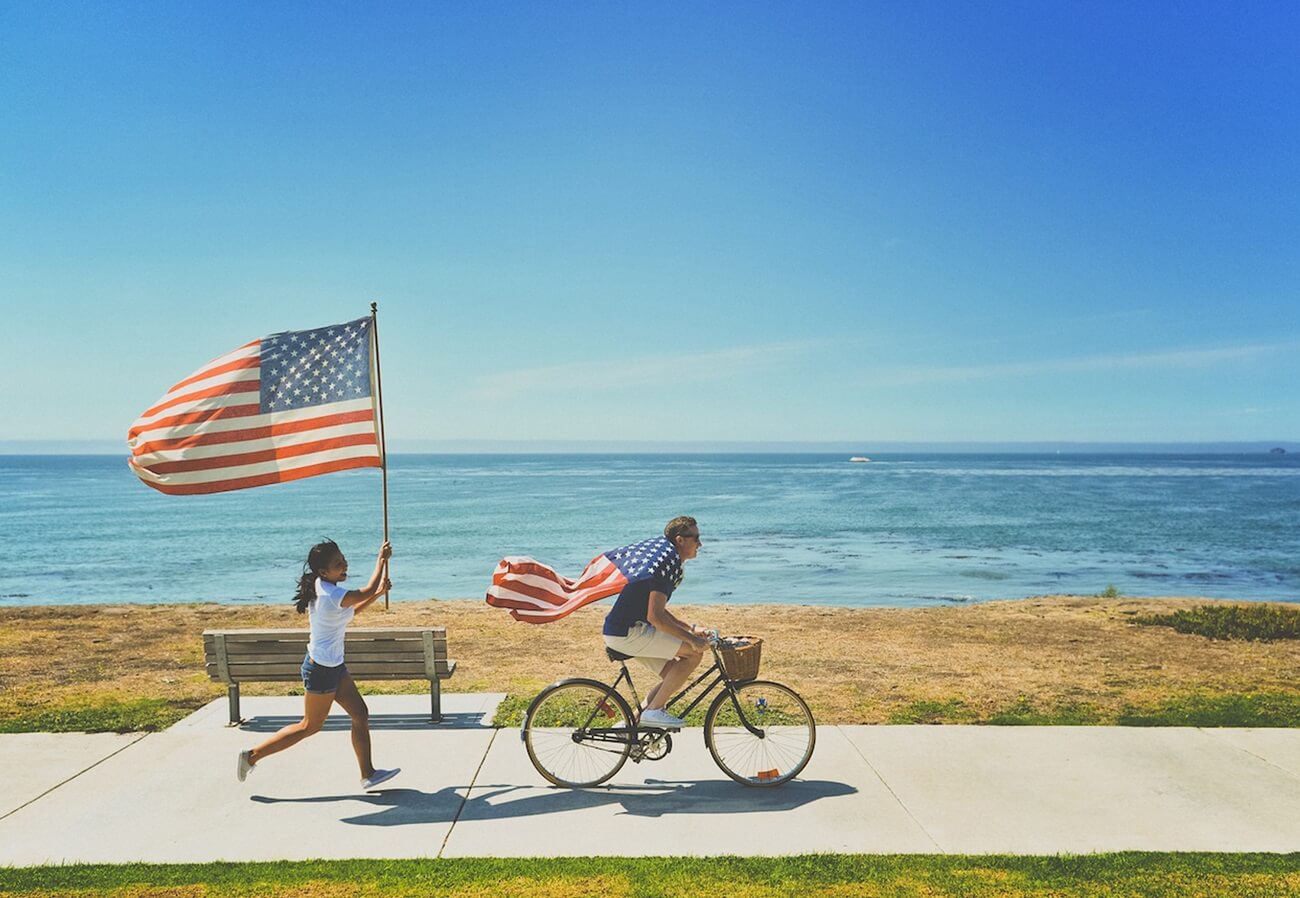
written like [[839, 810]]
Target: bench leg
[[232, 692], [435, 695]]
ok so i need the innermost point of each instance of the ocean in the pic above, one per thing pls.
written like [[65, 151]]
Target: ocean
[[902, 530]]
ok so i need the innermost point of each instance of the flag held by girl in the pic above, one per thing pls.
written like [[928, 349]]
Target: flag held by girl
[[284, 407]]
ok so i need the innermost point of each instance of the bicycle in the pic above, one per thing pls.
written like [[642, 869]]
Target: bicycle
[[579, 732]]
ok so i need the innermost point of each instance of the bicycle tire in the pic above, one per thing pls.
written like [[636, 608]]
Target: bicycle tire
[[789, 734], [553, 728]]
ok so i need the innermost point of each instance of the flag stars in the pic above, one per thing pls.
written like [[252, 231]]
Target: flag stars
[[301, 369]]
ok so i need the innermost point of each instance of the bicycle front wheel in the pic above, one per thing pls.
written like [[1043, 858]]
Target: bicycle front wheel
[[578, 733], [778, 741]]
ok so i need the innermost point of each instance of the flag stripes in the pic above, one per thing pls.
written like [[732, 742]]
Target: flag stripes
[[282, 408], [537, 594]]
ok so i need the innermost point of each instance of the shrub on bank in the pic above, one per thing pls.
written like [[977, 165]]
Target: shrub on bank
[[1252, 622]]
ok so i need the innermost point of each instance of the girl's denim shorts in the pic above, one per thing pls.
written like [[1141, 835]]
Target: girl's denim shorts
[[321, 679]]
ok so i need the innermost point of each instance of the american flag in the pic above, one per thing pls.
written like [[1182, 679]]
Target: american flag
[[535, 593], [281, 408]]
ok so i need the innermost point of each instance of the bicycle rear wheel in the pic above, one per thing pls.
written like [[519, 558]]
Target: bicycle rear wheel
[[578, 733], [780, 749]]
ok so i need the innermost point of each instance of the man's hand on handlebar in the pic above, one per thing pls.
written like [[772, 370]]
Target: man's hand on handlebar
[[707, 636]]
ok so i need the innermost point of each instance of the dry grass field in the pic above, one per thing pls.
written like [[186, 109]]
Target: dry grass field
[[1046, 659]]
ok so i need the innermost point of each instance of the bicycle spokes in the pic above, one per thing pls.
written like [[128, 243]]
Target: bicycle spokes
[[763, 736], [578, 733]]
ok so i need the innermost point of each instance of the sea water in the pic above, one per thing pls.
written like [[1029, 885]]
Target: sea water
[[900, 530]]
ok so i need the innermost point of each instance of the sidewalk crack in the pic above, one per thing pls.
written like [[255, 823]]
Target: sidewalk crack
[[468, 791], [73, 777], [890, 790], [1210, 731]]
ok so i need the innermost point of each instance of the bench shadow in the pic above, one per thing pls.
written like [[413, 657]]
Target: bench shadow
[[272, 723], [657, 798]]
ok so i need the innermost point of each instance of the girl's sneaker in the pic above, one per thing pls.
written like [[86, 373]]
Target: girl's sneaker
[[244, 766], [379, 776]]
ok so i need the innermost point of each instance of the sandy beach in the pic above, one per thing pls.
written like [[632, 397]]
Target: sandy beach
[[1075, 659]]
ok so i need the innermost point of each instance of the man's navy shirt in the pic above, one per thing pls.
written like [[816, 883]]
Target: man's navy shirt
[[633, 603]]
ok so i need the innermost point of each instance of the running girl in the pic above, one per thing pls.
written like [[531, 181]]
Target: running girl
[[325, 677]]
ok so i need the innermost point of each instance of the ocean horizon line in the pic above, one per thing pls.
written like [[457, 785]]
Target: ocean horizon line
[[720, 447], [910, 529]]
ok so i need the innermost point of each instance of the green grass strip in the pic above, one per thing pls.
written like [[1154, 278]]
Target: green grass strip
[[1208, 709], [1194, 709], [1251, 622], [1146, 874], [142, 715]]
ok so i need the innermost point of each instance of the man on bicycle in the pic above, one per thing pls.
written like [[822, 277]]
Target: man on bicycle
[[640, 624]]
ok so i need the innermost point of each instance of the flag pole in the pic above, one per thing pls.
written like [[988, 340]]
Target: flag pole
[[383, 446]]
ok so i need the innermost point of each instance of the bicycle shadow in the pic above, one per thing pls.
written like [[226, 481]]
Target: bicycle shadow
[[656, 798]]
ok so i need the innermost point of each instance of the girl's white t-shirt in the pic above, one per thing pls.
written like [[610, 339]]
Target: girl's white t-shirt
[[328, 621]]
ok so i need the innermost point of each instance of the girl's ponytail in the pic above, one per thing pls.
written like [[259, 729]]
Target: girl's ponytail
[[306, 591], [320, 555]]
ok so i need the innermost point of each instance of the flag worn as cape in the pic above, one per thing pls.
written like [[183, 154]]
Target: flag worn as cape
[[535, 593]]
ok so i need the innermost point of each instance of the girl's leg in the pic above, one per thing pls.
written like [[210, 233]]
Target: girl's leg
[[673, 676], [350, 699], [316, 705]]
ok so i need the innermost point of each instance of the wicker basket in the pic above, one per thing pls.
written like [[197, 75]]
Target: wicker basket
[[740, 656]]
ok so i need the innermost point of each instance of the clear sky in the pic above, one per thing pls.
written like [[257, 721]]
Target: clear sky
[[644, 221]]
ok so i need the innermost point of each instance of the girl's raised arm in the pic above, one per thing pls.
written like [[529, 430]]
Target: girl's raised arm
[[378, 585]]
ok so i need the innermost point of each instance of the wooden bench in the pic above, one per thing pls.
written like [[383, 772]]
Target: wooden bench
[[391, 653]]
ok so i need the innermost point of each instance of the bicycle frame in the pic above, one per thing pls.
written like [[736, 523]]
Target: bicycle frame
[[716, 670], [720, 677]]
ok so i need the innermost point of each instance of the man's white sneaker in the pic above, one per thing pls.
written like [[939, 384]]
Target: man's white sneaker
[[379, 776], [244, 765], [662, 719]]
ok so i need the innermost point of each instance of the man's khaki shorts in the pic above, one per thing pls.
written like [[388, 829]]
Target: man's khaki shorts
[[651, 647]]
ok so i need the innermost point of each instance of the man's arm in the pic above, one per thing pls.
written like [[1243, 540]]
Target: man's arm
[[663, 620]]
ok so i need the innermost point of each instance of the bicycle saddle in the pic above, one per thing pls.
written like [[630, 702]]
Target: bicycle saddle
[[616, 656]]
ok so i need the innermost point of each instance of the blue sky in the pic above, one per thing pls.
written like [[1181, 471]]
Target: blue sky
[[720, 221]]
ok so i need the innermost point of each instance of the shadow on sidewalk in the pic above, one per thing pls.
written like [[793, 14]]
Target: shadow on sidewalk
[[657, 798]]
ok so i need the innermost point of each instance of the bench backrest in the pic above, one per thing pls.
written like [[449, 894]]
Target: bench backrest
[[372, 653]]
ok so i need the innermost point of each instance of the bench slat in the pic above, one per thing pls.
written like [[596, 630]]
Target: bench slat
[[237, 661], [295, 663], [406, 670], [375, 647], [451, 669], [296, 653], [352, 633]]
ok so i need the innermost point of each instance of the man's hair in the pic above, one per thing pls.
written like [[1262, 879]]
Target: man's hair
[[678, 526]]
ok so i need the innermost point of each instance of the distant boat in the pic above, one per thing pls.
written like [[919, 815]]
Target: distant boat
[[859, 458], [1277, 451]]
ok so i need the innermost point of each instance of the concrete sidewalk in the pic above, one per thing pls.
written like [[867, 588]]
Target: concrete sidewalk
[[469, 790]]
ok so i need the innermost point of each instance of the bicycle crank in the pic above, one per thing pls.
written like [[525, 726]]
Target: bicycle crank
[[652, 747]]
